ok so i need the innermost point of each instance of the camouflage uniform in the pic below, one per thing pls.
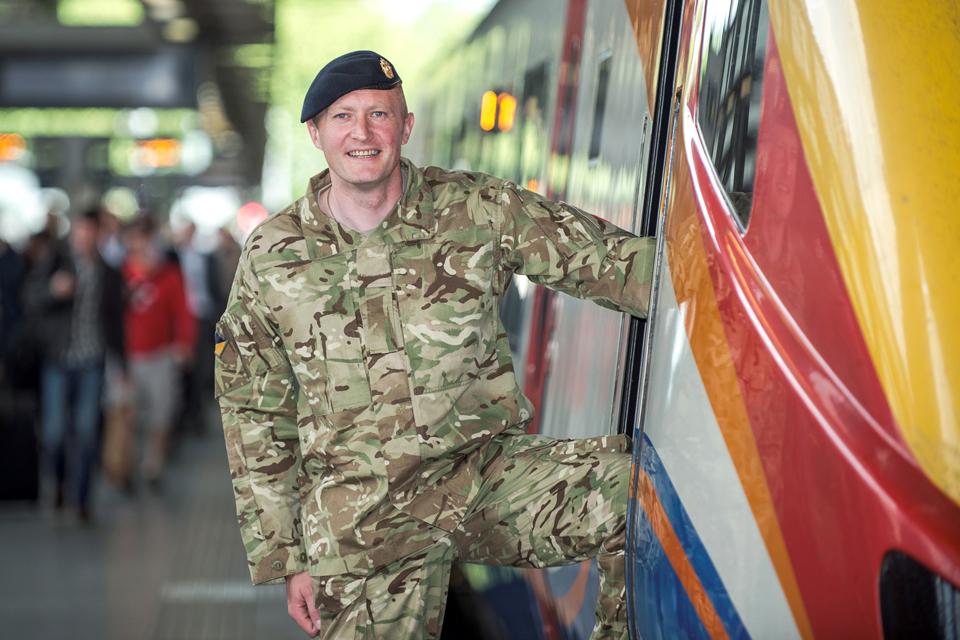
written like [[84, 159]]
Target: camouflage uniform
[[372, 418]]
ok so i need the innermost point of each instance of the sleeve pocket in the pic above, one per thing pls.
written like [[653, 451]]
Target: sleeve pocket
[[230, 371]]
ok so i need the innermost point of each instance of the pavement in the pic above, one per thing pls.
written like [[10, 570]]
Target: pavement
[[164, 564]]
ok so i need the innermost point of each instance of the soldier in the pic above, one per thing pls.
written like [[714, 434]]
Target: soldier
[[375, 430]]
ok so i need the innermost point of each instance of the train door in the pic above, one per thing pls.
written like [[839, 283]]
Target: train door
[[602, 137], [599, 164]]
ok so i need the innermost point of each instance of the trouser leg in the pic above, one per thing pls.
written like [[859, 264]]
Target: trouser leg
[[87, 424], [549, 503], [55, 391], [404, 600]]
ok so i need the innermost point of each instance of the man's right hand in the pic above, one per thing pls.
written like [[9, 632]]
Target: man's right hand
[[63, 285], [300, 603]]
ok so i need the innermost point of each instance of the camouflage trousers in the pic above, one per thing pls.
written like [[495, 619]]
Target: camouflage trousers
[[543, 503]]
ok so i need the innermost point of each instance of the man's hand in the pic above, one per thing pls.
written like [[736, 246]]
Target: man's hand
[[63, 285], [300, 603]]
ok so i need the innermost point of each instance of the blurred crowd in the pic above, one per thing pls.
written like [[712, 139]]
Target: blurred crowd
[[106, 343]]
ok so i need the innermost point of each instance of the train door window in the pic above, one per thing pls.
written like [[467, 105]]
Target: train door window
[[731, 80], [603, 84], [533, 139]]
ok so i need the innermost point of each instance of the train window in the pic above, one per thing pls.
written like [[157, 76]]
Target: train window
[[603, 83], [731, 80], [533, 138]]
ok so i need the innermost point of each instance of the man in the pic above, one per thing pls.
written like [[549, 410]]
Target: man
[[76, 303], [161, 334], [374, 426], [201, 277]]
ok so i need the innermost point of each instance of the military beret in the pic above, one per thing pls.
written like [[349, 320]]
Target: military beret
[[350, 72]]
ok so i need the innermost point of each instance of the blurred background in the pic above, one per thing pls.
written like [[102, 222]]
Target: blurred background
[[140, 142]]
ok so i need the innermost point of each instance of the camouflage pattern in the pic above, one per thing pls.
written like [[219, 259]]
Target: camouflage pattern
[[542, 503], [364, 379]]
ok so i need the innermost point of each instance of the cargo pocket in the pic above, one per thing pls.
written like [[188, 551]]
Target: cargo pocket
[[229, 371]]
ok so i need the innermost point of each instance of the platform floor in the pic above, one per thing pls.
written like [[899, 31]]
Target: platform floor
[[158, 565]]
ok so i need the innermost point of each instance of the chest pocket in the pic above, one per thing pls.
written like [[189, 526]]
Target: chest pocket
[[315, 303], [336, 330], [378, 303], [448, 310]]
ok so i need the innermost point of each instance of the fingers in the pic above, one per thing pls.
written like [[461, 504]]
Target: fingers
[[312, 611], [300, 605]]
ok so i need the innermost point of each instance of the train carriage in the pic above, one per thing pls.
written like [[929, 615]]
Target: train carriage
[[794, 394]]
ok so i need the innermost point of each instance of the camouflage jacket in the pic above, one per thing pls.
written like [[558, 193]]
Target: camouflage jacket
[[361, 379]]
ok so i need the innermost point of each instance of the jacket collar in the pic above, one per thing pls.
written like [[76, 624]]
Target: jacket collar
[[411, 220]]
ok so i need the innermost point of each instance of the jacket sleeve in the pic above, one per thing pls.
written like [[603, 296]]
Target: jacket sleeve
[[568, 250], [184, 324], [257, 394], [111, 308]]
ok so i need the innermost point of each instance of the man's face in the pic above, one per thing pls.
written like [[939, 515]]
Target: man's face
[[361, 134], [83, 237]]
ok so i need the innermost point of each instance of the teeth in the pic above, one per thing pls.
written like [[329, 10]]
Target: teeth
[[362, 154]]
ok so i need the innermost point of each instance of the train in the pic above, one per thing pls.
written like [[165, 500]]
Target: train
[[794, 394]]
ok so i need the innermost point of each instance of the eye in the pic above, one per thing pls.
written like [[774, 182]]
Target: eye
[[379, 114]]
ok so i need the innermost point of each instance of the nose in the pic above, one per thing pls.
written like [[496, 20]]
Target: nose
[[361, 131]]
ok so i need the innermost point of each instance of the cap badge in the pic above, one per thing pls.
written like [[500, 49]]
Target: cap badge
[[387, 69]]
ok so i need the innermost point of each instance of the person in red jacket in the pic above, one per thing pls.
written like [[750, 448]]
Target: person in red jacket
[[160, 333]]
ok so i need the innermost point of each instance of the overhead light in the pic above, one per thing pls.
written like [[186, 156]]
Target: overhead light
[[488, 111], [12, 147], [164, 10], [497, 111], [181, 30], [508, 109], [159, 152]]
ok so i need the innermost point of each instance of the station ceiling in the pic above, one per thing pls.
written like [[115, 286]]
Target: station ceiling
[[209, 55]]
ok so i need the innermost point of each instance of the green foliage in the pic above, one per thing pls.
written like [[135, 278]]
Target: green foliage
[[115, 13]]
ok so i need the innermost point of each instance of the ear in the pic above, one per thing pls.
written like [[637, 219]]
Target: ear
[[407, 128], [314, 133]]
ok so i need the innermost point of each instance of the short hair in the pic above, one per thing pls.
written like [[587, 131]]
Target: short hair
[[142, 224], [91, 215]]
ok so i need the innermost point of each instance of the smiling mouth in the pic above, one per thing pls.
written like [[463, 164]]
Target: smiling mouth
[[363, 154]]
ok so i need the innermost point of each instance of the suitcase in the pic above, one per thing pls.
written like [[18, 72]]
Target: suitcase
[[19, 446]]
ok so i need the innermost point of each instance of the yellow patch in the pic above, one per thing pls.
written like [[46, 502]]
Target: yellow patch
[[219, 348]]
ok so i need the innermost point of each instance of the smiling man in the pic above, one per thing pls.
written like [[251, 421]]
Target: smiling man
[[375, 430]]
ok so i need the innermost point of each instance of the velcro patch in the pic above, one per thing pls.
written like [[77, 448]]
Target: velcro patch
[[219, 344]]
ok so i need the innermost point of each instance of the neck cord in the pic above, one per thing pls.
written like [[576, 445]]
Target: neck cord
[[334, 216]]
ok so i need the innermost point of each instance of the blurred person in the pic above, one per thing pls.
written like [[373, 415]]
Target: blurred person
[[11, 278], [75, 301], [228, 258], [25, 348], [374, 427], [202, 281], [110, 241], [117, 450], [160, 334]]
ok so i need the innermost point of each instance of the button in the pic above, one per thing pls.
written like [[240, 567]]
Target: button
[[277, 565], [303, 557]]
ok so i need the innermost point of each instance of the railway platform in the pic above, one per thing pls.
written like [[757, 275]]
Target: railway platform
[[156, 565]]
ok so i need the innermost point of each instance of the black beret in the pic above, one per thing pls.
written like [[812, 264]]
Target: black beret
[[349, 72]]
